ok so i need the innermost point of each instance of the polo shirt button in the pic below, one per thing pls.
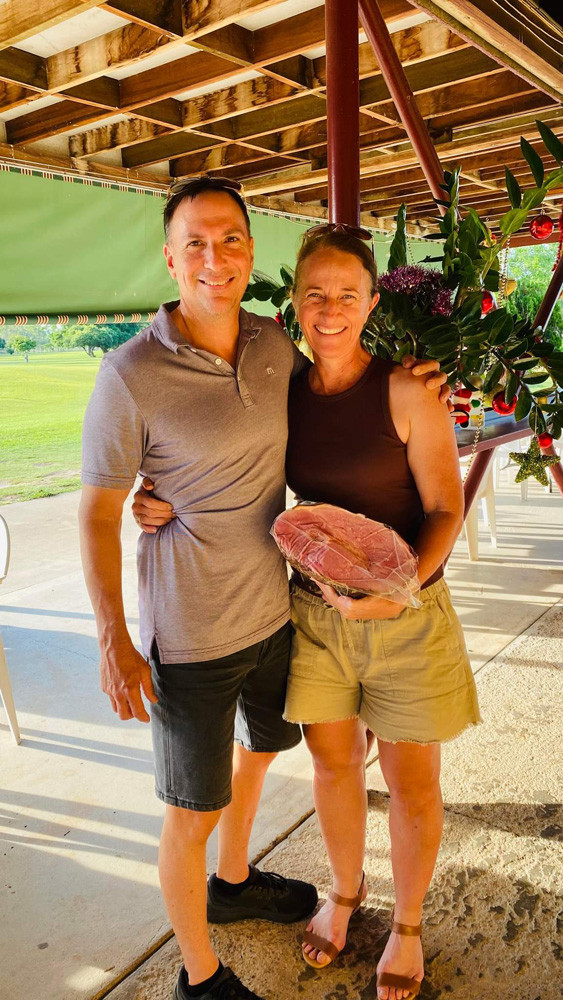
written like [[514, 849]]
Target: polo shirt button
[[218, 361]]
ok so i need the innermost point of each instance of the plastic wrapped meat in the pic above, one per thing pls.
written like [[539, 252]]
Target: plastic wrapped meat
[[352, 553]]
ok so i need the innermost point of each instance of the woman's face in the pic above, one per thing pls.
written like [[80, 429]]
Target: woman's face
[[332, 302]]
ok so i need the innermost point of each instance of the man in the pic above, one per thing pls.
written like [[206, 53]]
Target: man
[[197, 402]]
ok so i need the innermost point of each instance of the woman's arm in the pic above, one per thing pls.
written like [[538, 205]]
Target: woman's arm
[[433, 459]]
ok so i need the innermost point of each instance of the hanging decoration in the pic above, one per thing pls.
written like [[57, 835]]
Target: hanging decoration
[[500, 405], [541, 228], [545, 440], [488, 302], [533, 463]]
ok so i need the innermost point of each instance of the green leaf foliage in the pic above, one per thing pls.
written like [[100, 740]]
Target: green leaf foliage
[[550, 141], [513, 188], [398, 249], [534, 161]]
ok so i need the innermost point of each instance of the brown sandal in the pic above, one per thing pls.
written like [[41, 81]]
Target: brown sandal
[[402, 982], [323, 944]]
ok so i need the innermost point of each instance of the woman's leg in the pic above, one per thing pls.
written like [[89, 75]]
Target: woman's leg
[[339, 791], [412, 773]]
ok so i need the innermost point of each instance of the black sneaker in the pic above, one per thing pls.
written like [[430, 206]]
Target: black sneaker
[[266, 897], [226, 987]]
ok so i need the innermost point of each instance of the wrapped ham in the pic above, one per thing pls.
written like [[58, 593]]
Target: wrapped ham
[[352, 553]]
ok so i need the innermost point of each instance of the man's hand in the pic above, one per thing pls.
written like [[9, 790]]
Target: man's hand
[[124, 674], [150, 513], [364, 607], [432, 368]]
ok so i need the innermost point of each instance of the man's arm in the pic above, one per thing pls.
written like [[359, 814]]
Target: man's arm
[[124, 672]]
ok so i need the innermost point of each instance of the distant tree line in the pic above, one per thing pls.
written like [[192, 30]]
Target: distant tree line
[[89, 338]]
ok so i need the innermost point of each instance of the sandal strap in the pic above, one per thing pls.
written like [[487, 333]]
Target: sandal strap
[[352, 901], [402, 982], [322, 944], [408, 930]]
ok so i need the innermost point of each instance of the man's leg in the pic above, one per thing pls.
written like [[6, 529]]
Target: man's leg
[[183, 879], [235, 826]]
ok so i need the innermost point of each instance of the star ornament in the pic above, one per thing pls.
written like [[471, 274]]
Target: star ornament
[[533, 463]]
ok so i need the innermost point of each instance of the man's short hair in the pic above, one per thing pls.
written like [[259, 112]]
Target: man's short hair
[[201, 185]]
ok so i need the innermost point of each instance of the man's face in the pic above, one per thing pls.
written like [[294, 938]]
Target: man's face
[[210, 254]]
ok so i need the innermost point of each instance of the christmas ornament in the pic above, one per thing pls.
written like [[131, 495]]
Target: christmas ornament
[[488, 302], [461, 406], [542, 227], [501, 406], [279, 319], [545, 440], [510, 286], [533, 463]]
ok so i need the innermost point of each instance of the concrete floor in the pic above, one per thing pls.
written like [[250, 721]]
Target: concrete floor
[[79, 822]]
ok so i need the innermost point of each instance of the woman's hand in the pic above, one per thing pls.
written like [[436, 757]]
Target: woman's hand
[[365, 607], [149, 512], [432, 368]]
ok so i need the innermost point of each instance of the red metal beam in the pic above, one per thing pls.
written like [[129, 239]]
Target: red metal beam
[[543, 317], [403, 97], [343, 110]]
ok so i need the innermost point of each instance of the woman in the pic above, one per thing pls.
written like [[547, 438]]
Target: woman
[[365, 435]]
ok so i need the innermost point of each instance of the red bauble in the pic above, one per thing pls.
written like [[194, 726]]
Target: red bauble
[[488, 302], [544, 440], [280, 319], [499, 405], [542, 227]]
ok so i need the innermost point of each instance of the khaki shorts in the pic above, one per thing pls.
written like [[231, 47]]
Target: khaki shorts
[[408, 678]]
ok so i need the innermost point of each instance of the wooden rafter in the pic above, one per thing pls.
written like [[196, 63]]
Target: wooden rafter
[[270, 131]]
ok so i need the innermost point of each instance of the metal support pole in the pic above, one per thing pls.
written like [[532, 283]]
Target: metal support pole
[[550, 298], [394, 75], [542, 319], [343, 110]]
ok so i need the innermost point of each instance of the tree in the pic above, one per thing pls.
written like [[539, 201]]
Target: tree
[[2, 344], [103, 338], [61, 337], [23, 345], [531, 267]]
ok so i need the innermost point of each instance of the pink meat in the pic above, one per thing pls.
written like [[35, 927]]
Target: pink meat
[[349, 551]]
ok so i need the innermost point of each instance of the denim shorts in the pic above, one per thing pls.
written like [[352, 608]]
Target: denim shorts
[[203, 707], [408, 678]]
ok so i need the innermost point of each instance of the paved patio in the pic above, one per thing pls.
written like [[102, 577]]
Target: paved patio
[[80, 824]]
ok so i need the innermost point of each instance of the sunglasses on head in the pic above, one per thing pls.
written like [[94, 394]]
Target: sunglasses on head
[[219, 183], [338, 227]]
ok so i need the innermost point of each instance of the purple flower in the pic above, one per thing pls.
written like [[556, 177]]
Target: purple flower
[[425, 286]]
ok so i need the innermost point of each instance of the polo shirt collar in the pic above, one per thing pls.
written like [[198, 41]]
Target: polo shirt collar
[[166, 331]]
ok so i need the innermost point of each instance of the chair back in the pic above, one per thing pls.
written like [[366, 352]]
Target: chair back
[[4, 549]]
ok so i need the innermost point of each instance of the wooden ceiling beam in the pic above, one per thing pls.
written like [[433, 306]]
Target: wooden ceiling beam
[[114, 136], [503, 33], [222, 157], [25, 68], [60, 117], [100, 55], [159, 15], [234, 100], [376, 163], [12, 95], [20, 19]]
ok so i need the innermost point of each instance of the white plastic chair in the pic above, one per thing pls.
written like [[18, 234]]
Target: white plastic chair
[[5, 686], [485, 494]]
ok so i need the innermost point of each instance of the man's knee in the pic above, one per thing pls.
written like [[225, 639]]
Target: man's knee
[[190, 825]]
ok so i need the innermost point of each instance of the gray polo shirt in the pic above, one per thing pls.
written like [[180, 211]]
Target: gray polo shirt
[[213, 439]]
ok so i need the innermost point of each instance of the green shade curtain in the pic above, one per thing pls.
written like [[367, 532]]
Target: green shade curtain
[[78, 247]]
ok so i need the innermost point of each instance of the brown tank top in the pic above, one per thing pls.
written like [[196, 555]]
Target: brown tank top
[[343, 449]]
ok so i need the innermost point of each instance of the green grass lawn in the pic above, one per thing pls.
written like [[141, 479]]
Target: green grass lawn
[[42, 405]]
